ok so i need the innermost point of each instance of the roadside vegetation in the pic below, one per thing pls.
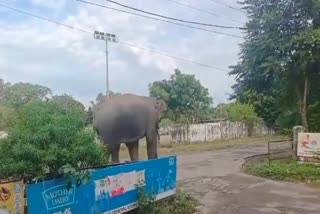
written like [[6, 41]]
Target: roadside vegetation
[[286, 170], [278, 70], [47, 138], [181, 203]]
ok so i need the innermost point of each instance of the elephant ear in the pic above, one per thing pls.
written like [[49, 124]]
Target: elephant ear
[[160, 106]]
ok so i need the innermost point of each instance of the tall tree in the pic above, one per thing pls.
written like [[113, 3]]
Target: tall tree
[[186, 99], [237, 112], [19, 94], [3, 87], [67, 101], [279, 62]]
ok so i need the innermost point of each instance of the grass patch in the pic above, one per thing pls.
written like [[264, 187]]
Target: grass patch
[[181, 203], [285, 170], [165, 148]]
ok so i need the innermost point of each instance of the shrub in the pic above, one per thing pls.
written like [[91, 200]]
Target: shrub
[[45, 137], [288, 170]]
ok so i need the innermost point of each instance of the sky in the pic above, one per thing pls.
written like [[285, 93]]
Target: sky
[[73, 62]]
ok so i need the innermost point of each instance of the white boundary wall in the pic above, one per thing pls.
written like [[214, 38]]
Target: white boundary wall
[[204, 132]]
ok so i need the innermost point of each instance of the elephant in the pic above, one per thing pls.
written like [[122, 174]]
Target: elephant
[[126, 119]]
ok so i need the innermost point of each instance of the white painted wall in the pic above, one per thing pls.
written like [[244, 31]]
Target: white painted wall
[[213, 131]]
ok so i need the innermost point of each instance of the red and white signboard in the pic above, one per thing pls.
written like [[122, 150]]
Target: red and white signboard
[[308, 145]]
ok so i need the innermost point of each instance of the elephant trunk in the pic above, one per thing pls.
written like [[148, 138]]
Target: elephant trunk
[[152, 147]]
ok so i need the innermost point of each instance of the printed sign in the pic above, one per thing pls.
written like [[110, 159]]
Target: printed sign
[[12, 197], [308, 144], [118, 184], [109, 191]]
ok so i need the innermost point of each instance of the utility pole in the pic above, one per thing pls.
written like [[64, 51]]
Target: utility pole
[[107, 37]]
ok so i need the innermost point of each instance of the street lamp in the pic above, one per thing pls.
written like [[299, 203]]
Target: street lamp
[[107, 37]]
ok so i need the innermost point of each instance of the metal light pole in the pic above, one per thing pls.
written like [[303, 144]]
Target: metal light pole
[[107, 37]]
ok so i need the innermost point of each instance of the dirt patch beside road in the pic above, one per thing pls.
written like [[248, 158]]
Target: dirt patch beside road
[[214, 178]]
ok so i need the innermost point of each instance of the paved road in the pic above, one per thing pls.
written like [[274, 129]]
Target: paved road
[[214, 178]]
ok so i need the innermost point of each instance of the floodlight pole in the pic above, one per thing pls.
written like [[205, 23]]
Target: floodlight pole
[[107, 70], [106, 37]]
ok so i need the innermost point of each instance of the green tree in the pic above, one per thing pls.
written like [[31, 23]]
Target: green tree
[[186, 99], [69, 103], [3, 87], [237, 112], [18, 94], [47, 136], [166, 122], [89, 116], [279, 62], [7, 117], [221, 112]]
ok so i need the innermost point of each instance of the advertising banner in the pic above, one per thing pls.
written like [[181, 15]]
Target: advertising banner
[[109, 191], [308, 145], [12, 197]]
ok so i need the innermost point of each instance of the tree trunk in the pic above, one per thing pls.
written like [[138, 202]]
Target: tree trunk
[[304, 104]]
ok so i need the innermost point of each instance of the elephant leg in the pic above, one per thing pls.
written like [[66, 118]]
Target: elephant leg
[[152, 141], [114, 151], [133, 150]]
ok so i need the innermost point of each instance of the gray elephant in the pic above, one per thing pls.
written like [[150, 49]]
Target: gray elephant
[[126, 119]]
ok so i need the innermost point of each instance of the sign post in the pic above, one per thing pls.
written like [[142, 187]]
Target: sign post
[[308, 146], [110, 190]]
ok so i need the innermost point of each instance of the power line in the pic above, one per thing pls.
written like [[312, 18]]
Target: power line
[[171, 18], [174, 57], [36, 16], [228, 6], [120, 42], [161, 20], [202, 10]]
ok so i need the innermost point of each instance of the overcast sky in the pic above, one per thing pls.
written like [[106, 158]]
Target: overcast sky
[[68, 61]]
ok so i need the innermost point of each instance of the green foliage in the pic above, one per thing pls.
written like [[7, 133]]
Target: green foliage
[[13, 96], [7, 117], [265, 105], [21, 93], [165, 122], [314, 116], [89, 116], [279, 66], [145, 202], [286, 171], [185, 97], [70, 174], [181, 203], [236, 112], [287, 132], [47, 136], [3, 88], [68, 102]]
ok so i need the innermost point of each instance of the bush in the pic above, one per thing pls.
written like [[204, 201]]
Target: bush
[[181, 203], [45, 137], [288, 170], [7, 117]]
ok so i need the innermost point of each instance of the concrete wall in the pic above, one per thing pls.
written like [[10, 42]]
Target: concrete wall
[[213, 131]]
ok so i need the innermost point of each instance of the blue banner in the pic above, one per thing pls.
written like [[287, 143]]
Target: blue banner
[[110, 190]]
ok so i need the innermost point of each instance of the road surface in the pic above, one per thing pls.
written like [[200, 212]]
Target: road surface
[[214, 178]]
